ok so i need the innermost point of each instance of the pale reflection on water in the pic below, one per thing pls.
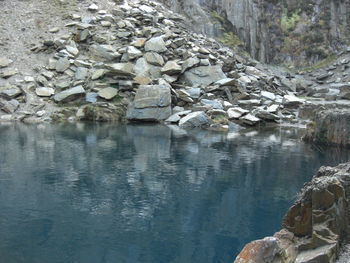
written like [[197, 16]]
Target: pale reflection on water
[[105, 193]]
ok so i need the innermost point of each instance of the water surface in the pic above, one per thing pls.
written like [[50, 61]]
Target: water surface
[[102, 193]]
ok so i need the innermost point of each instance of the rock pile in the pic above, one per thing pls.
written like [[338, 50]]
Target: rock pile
[[140, 56]]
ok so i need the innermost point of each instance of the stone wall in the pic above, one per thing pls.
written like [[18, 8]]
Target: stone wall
[[314, 228]]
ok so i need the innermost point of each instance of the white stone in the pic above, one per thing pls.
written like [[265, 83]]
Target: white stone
[[44, 92]]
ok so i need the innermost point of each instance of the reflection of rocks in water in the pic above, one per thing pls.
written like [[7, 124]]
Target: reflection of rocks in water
[[152, 185]]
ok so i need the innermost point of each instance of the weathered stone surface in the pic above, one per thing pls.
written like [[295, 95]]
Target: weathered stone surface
[[11, 92], [7, 73], [44, 92], [236, 113], [5, 62], [155, 44], [70, 94], [190, 63], [99, 73], [154, 58], [203, 76], [152, 96], [250, 119], [133, 52], [292, 100], [81, 73], [262, 251], [62, 64], [9, 106], [194, 120], [171, 68], [105, 52], [268, 95], [121, 68], [213, 104], [151, 103], [108, 93]]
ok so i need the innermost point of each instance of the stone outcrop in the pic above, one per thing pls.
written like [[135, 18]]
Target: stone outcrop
[[330, 127], [314, 228]]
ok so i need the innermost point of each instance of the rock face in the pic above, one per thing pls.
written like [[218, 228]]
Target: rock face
[[151, 103], [314, 228], [330, 127], [274, 31]]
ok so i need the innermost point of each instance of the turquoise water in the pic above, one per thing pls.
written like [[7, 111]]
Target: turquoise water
[[102, 193]]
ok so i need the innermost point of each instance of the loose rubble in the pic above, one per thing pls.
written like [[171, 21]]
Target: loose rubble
[[141, 58]]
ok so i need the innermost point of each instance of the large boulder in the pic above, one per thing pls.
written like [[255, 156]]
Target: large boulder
[[203, 75], [151, 103]]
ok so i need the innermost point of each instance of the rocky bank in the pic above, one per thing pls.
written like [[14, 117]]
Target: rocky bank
[[138, 61], [314, 228]]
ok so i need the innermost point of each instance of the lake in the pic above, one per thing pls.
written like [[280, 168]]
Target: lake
[[86, 193]]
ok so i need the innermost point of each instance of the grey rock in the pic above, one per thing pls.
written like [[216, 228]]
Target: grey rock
[[213, 104], [250, 119], [121, 68], [62, 64], [7, 73], [267, 95], [70, 94], [154, 58], [203, 76], [107, 52], [108, 93], [133, 53], [171, 68], [173, 118], [81, 73], [155, 44], [99, 73], [9, 106], [226, 82], [151, 103], [44, 92], [236, 112], [11, 92], [194, 120], [5, 62], [190, 63], [194, 93], [91, 97]]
